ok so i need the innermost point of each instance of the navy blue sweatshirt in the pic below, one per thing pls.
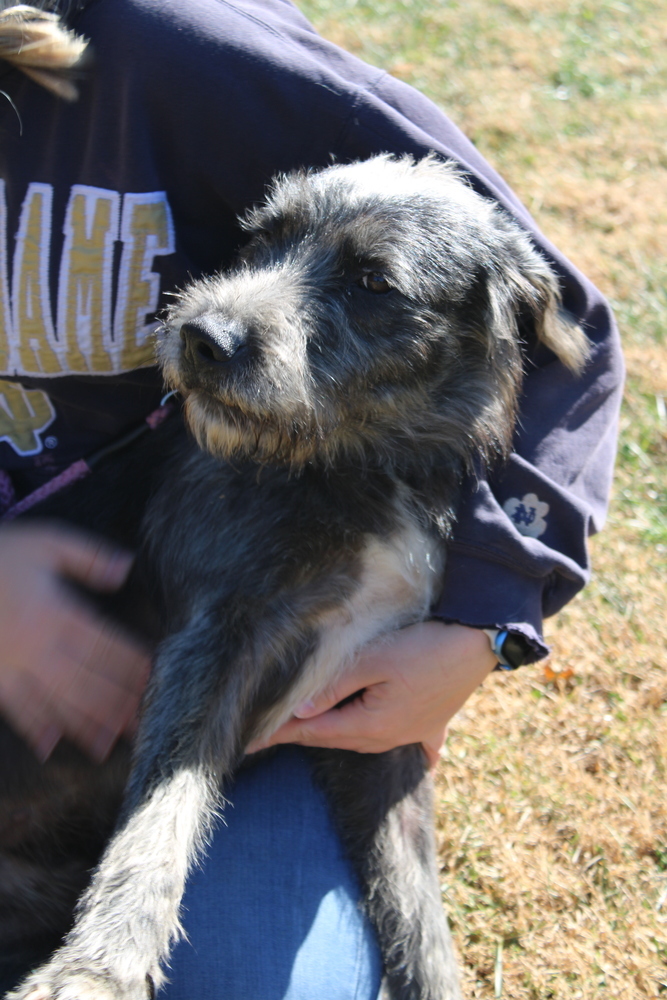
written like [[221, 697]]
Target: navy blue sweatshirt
[[106, 205]]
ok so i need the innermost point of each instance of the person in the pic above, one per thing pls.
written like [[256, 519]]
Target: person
[[185, 112]]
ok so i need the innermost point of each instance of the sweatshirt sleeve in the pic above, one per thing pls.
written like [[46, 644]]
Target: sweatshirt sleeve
[[519, 552]]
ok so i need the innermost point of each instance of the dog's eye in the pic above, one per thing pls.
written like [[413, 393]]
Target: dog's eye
[[375, 282]]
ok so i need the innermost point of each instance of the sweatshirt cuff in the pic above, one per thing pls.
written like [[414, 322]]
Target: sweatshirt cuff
[[483, 594]]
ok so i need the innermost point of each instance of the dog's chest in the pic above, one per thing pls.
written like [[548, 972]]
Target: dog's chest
[[247, 533], [397, 585], [344, 558]]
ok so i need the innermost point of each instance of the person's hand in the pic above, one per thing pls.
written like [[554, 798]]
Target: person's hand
[[411, 683], [64, 670]]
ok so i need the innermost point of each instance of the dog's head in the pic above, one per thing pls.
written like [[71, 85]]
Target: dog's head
[[376, 311]]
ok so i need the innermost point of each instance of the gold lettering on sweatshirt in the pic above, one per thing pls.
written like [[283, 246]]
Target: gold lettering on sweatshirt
[[146, 231], [5, 312], [31, 299], [92, 334], [86, 271]]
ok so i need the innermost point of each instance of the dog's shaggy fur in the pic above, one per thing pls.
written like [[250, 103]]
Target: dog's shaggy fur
[[363, 355]]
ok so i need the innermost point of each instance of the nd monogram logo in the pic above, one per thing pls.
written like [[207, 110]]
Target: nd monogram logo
[[528, 514], [24, 413]]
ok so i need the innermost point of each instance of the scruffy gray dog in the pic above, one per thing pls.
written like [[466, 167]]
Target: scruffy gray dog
[[362, 356]]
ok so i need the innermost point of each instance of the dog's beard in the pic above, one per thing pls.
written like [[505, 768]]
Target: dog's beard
[[391, 435], [229, 430]]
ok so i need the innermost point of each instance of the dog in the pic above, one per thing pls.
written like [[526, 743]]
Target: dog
[[361, 357]]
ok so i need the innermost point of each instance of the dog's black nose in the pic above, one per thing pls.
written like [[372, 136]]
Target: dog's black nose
[[211, 340]]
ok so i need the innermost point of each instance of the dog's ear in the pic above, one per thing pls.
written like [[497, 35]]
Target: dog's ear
[[518, 279], [524, 282]]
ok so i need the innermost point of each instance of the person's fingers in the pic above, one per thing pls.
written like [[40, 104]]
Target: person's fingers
[[33, 716], [64, 670], [94, 739], [42, 716], [44, 721], [88, 689], [322, 703], [368, 669], [407, 689], [104, 649], [87, 559], [351, 727], [96, 699], [45, 739], [433, 746], [94, 703]]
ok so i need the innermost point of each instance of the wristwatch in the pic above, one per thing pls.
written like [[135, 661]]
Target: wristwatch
[[511, 649]]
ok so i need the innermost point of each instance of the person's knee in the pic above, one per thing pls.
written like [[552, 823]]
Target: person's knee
[[274, 912]]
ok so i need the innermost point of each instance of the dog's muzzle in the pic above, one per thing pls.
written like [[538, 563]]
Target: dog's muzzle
[[210, 341]]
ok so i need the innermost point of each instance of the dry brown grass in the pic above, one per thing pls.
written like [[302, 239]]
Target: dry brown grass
[[552, 813], [555, 785]]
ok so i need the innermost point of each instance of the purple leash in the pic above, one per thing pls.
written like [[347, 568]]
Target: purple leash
[[79, 469]]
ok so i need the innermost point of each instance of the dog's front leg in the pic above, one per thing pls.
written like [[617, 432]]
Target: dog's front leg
[[382, 804], [129, 917], [213, 686]]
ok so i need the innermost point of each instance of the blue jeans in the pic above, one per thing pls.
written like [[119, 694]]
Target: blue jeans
[[273, 914]]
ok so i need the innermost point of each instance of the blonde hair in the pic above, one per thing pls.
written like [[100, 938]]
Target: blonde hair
[[37, 43]]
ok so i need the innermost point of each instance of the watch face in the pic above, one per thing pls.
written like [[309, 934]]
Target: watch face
[[516, 650]]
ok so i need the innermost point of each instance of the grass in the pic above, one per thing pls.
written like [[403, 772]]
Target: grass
[[551, 798]]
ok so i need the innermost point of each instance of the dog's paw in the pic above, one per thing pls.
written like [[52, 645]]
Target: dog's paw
[[64, 981]]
